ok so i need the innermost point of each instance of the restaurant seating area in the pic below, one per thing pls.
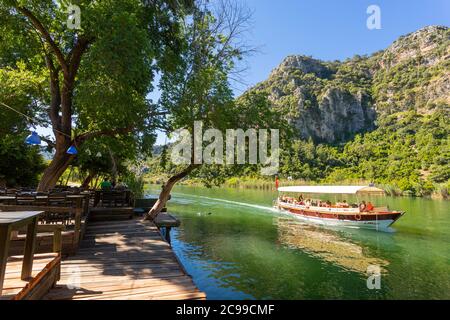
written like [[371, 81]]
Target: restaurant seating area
[[94, 230], [68, 207], [61, 222]]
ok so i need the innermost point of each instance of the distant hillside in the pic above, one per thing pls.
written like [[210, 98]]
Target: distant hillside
[[332, 101], [382, 118]]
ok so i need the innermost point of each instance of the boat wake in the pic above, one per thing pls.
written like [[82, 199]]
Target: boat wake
[[235, 203]]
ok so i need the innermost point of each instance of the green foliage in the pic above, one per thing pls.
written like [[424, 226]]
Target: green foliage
[[135, 183], [100, 74], [20, 165], [408, 152], [18, 86]]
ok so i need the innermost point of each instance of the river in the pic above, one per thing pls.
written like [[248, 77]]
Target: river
[[236, 246]]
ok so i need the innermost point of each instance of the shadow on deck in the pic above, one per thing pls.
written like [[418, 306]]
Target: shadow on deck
[[123, 260]]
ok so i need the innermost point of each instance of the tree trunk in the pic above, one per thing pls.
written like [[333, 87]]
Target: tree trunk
[[57, 166], [113, 168], [96, 182], [88, 180], [68, 176], [165, 193]]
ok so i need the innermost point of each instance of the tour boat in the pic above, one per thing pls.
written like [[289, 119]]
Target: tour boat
[[342, 214]]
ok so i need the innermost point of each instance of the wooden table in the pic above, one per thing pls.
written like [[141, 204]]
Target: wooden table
[[10, 221]]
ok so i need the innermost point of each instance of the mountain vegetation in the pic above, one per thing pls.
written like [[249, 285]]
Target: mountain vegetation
[[383, 118]]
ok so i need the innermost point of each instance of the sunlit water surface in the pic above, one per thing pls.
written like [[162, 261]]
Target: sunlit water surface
[[236, 246]]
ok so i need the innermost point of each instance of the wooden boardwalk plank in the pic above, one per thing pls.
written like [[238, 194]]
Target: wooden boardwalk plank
[[13, 283], [126, 260]]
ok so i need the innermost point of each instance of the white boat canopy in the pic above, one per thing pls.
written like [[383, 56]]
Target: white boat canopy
[[332, 189]]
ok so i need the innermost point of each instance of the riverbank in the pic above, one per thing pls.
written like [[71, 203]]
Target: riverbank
[[258, 183]]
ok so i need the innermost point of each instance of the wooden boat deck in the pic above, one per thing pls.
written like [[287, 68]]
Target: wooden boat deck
[[126, 260]]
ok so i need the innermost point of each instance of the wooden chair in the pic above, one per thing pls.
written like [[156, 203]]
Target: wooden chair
[[62, 218]]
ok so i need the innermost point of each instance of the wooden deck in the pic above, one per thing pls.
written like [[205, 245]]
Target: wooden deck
[[125, 260], [44, 275]]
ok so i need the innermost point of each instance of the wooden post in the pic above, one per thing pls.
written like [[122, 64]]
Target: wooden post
[[5, 237], [57, 241], [28, 255], [77, 231], [168, 234]]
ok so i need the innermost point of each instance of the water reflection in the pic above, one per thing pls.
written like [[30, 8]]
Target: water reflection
[[327, 245], [236, 247]]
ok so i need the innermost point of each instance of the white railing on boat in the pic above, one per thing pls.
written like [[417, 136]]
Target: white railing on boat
[[318, 209]]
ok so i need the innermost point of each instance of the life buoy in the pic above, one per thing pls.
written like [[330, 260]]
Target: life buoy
[[357, 217]]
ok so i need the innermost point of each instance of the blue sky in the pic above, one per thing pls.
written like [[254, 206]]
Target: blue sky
[[327, 30], [331, 29]]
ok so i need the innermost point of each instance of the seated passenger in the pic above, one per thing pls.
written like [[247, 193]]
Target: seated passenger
[[345, 204], [362, 206], [370, 206]]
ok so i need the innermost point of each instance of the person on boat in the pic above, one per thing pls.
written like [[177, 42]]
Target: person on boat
[[344, 204], [370, 206], [300, 198], [308, 202], [328, 204], [362, 206]]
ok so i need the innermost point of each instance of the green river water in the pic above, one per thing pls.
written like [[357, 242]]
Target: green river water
[[236, 246]]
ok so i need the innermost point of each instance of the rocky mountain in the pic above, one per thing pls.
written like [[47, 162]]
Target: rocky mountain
[[332, 101]]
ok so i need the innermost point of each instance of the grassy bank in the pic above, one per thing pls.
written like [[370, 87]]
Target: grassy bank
[[441, 191]]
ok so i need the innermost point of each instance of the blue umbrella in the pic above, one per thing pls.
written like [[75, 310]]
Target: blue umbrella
[[72, 150], [33, 139]]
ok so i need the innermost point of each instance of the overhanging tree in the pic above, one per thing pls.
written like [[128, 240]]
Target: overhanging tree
[[100, 74], [199, 88]]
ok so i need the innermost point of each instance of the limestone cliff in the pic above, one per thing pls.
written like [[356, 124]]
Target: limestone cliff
[[332, 101]]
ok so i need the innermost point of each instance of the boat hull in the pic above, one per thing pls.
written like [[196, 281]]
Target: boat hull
[[376, 221]]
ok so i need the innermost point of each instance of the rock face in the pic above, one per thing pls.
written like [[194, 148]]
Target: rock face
[[341, 115], [303, 64], [332, 101], [420, 44], [338, 116]]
